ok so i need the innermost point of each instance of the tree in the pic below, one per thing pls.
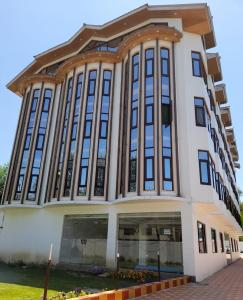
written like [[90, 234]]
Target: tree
[[3, 176]]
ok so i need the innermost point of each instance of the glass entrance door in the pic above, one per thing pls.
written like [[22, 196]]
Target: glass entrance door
[[142, 236], [227, 248], [84, 240]]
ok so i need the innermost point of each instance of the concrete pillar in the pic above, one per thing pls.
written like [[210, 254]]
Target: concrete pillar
[[142, 246], [189, 233], [115, 134], [112, 235]]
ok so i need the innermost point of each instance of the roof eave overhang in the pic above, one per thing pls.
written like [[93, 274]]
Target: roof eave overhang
[[235, 155], [220, 93], [196, 18], [214, 66], [226, 116]]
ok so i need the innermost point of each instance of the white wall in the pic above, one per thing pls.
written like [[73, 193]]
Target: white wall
[[209, 263], [28, 232]]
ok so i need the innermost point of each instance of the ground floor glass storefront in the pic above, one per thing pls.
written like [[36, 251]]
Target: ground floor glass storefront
[[142, 236]]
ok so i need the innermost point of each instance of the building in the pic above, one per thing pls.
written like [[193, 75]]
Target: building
[[125, 146]]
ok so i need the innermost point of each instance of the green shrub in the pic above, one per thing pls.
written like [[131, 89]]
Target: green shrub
[[68, 295], [139, 276]]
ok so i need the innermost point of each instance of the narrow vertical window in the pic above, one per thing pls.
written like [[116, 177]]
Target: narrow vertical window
[[221, 188], [72, 145], [202, 243], [39, 147], [124, 130], [64, 136], [221, 242], [196, 64], [212, 104], [149, 121], [208, 120], [132, 179], [88, 122], [25, 155], [214, 241], [200, 112], [212, 172], [166, 116], [204, 167], [103, 132], [232, 245], [215, 140]]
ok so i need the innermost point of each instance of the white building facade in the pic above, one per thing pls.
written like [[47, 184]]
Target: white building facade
[[125, 145]]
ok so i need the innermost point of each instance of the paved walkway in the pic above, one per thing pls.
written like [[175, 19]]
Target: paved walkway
[[226, 284]]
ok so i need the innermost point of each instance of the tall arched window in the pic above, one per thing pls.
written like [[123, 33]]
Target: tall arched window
[[149, 121], [166, 120], [133, 147], [103, 134], [39, 147], [25, 155], [88, 123], [72, 145], [64, 136]]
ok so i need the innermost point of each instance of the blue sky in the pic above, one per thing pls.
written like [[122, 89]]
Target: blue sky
[[29, 27]]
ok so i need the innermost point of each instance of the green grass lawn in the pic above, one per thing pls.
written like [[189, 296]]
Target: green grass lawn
[[18, 283]]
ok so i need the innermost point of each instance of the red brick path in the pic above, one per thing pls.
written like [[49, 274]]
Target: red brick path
[[226, 284]]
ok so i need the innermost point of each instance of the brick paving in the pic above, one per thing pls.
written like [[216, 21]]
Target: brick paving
[[226, 284]]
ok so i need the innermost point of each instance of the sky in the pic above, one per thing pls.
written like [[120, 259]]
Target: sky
[[29, 27]]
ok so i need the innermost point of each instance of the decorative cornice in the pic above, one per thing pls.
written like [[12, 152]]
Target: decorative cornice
[[161, 32], [26, 81]]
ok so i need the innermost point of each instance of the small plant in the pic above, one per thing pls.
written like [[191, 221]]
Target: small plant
[[68, 295], [139, 276]]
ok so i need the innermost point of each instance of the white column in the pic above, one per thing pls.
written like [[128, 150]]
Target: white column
[[142, 246], [112, 235], [115, 134], [189, 232]]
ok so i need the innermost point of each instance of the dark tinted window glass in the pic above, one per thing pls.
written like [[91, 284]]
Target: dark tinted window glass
[[27, 142], [202, 244], [149, 87], [167, 168], [106, 87], [149, 136], [103, 129], [200, 112], [214, 241], [103, 134], [134, 117], [196, 64], [83, 176], [165, 83], [149, 114], [40, 141], [33, 183], [204, 167], [149, 168], [133, 123], [149, 67]]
